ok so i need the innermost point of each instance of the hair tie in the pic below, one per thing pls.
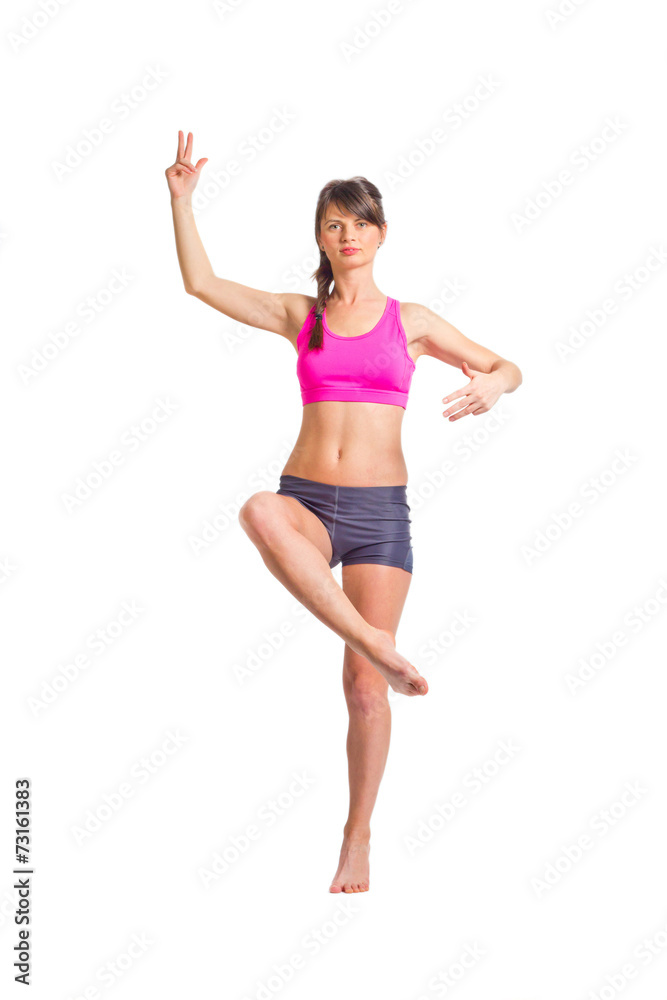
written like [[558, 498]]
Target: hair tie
[[318, 315]]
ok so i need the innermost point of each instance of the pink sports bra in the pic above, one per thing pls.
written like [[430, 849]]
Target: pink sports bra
[[374, 367]]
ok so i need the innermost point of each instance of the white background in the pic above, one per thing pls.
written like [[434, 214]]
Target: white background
[[362, 100]]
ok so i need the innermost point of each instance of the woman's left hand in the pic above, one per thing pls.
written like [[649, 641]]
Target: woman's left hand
[[480, 394]]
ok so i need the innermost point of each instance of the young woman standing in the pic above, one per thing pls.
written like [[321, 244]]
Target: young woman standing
[[343, 492]]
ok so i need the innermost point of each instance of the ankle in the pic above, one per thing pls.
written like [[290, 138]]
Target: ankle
[[374, 642], [358, 834]]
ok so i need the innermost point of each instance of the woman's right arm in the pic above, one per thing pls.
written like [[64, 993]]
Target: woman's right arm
[[275, 311]]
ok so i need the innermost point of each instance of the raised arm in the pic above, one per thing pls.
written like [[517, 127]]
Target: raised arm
[[277, 312]]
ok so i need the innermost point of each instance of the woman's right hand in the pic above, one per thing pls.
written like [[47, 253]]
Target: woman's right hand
[[181, 176]]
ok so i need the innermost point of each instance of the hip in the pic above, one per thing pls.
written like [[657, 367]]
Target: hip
[[366, 524]]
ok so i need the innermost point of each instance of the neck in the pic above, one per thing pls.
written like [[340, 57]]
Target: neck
[[351, 289]]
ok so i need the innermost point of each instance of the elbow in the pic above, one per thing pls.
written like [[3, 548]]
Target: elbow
[[195, 287]]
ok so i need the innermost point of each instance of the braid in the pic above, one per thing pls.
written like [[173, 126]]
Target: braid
[[324, 277]]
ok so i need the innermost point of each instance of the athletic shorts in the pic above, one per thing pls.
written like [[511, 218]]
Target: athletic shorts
[[366, 524]]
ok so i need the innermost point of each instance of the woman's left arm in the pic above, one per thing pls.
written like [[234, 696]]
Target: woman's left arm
[[490, 375]]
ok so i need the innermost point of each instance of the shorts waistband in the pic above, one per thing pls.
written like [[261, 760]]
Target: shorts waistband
[[396, 490]]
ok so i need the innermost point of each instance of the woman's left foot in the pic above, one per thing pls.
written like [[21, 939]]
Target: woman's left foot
[[352, 874]]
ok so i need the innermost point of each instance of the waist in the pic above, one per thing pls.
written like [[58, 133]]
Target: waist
[[347, 470], [350, 443]]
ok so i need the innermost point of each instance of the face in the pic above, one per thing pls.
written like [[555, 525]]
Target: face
[[349, 241]]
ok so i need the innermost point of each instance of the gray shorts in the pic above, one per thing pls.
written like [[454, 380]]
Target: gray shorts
[[366, 524]]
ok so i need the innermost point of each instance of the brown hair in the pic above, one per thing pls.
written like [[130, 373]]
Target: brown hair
[[359, 197]]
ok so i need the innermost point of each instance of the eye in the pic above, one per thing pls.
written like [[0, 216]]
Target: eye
[[363, 223]]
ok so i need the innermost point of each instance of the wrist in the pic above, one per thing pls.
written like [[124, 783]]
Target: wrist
[[509, 376], [502, 376]]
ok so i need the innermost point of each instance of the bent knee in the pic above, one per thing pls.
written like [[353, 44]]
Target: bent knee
[[258, 510]]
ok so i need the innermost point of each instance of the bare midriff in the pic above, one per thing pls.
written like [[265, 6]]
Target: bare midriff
[[350, 444]]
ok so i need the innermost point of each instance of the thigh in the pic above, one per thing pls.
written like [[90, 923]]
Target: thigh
[[269, 508], [378, 593], [305, 522]]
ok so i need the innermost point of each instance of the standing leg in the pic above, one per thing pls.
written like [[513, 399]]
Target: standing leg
[[379, 593]]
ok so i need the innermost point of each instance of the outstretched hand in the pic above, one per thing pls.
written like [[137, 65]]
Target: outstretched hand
[[181, 176], [478, 396]]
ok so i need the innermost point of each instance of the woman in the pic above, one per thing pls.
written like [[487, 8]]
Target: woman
[[343, 492]]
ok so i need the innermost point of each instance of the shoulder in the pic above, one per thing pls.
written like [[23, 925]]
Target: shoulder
[[416, 321]]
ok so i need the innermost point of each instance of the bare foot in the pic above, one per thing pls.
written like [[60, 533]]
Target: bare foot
[[397, 671], [352, 874]]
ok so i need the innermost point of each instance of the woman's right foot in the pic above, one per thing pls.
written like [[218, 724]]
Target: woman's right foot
[[396, 670]]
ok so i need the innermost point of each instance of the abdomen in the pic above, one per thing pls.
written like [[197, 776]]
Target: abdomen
[[350, 444]]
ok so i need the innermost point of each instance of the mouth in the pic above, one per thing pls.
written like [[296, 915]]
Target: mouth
[[350, 251]]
